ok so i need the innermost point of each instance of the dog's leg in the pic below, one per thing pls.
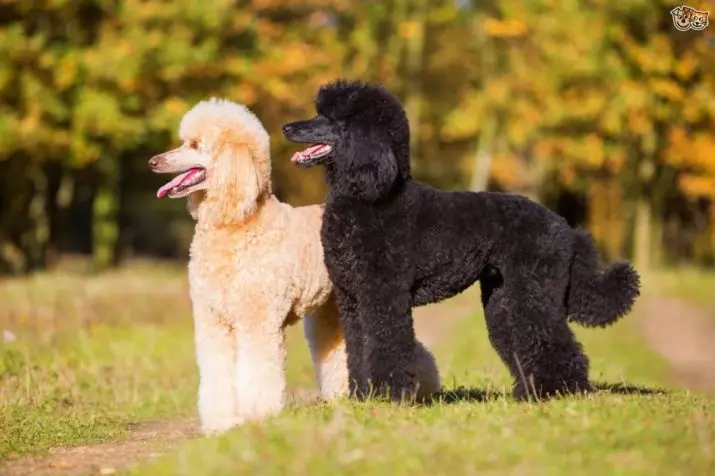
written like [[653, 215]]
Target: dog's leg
[[327, 347], [543, 355], [215, 355], [426, 373], [354, 344], [260, 369], [389, 352], [497, 313]]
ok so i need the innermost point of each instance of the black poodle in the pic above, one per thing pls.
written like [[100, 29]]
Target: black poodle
[[392, 243]]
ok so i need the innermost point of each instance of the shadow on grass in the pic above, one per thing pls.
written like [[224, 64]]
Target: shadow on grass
[[464, 394], [625, 389]]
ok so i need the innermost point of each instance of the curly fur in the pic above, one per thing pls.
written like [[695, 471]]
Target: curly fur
[[256, 266], [392, 243]]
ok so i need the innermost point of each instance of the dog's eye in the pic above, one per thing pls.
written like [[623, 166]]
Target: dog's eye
[[194, 144]]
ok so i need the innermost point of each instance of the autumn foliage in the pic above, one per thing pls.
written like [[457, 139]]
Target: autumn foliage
[[601, 110]]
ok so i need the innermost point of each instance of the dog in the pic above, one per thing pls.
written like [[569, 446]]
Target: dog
[[392, 243], [256, 266]]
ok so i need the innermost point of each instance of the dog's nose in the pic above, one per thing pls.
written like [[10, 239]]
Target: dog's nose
[[153, 162], [287, 128]]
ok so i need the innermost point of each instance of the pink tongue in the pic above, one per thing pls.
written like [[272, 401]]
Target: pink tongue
[[307, 152], [175, 182]]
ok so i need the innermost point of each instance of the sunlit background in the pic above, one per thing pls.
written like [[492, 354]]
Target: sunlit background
[[601, 110]]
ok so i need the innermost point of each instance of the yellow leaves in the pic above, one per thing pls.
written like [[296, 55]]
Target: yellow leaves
[[616, 160], [543, 149], [497, 90], [698, 186], [66, 71], [668, 89], [567, 174], [582, 103], [654, 57], [295, 57], [268, 29], [168, 114], [508, 170], [695, 154], [82, 151], [176, 105], [593, 150], [410, 29], [246, 93], [463, 122], [639, 123], [686, 66], [677, 146], [572, 153], [504, 28], [277, 88], [610, 121], [28, 125]]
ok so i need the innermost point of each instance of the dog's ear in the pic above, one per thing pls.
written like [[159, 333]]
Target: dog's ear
[[234, 186], [372, 169]]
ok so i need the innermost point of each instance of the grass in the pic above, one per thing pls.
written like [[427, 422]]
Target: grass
[[90, 355], [93, 355], [637, 428], [90, 385], [692, 284]]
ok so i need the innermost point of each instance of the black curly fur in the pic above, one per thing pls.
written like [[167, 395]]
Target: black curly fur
[[392, 243]]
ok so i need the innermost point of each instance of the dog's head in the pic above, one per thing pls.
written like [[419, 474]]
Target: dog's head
[[360, 134], [224, 161]]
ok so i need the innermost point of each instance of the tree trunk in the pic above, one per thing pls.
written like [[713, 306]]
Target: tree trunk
[[395, 44], [413, 83], [643, 232], [484, 156], [642, 240], [105, 214], [55, 176], [36, 236]]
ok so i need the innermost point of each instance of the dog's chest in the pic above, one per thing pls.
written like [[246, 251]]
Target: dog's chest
[[221, 268], [359, 240]]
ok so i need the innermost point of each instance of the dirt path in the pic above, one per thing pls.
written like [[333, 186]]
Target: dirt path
[[149, 440], [144, 442], [684, 334]]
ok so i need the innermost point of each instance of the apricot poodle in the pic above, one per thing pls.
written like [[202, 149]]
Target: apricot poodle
[[256, 266], [392, 243]]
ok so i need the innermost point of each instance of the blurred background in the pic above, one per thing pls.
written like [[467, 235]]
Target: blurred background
[[601, 110]]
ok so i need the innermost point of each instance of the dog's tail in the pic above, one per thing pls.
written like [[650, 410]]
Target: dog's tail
[[599, 297]]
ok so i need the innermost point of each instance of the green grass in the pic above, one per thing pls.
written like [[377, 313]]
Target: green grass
[[633, 426], [692, 284], [95, 354], [91, 354], [88, 386]]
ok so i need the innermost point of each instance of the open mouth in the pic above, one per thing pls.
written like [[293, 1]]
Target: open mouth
[[182, 182], [311, 155]]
